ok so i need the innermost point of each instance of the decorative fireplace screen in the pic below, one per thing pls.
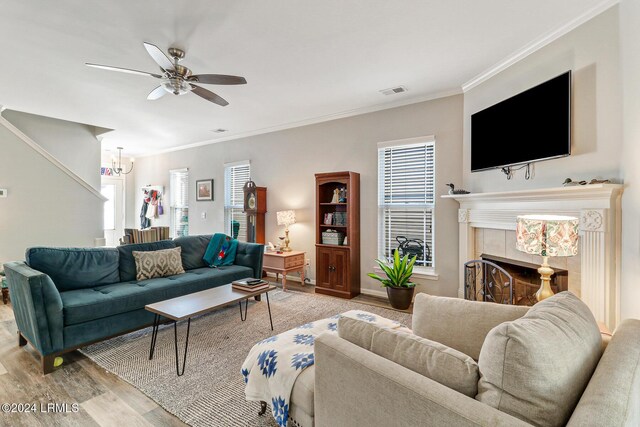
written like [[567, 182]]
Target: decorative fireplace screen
[[488, 282]]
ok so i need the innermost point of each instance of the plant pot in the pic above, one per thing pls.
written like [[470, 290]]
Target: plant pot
[[400, 298]]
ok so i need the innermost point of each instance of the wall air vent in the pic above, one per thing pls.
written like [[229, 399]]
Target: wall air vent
[[393, 90], [219, 130]]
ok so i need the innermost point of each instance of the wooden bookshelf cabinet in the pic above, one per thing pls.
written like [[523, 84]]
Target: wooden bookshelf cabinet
[[338, 266]]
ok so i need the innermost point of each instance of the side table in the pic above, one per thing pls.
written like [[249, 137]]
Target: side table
[[284, 263]]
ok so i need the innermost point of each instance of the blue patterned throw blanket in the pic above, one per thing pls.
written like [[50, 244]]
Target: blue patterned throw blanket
[[273, 364]]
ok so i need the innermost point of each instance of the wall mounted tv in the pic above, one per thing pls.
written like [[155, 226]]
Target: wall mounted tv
[[531, 126]]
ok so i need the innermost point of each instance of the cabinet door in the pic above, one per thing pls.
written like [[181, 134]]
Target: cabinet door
[[340, 269], [323, 261]]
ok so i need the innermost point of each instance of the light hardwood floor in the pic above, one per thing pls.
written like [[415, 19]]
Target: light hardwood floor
[[103, 399]]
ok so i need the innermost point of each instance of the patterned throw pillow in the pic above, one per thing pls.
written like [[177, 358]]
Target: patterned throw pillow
[[162, 263]]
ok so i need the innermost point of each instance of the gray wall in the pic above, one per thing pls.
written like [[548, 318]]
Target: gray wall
[[630, 54], [286, 161], [591, 51], [44, 205], [73, 144], [603, 53]]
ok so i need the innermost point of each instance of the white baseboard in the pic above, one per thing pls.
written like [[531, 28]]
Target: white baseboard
[[293, 277]]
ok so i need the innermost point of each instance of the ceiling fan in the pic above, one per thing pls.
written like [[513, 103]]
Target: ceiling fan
[[178, 79]]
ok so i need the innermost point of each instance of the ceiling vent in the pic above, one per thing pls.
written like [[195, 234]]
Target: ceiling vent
[[393, 90], [219, 130]]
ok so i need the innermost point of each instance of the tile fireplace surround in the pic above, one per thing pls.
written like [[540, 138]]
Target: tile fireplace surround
[[487, 222]]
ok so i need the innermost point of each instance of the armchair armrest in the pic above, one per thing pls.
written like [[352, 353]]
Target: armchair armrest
[[250, 255], [37, 307], [358, 388]]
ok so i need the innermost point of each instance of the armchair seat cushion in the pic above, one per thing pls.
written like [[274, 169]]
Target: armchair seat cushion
[[84, 305]]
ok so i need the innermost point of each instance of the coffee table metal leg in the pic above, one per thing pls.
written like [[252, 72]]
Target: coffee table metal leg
[[269, 308], [154, 335], [186, 346], [246, 307]]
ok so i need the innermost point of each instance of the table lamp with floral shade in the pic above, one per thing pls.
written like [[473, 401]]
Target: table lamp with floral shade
[[547, 235], [286, 218]]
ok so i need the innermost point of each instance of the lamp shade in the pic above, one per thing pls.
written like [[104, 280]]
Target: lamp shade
[[286, 218], [547, 235]]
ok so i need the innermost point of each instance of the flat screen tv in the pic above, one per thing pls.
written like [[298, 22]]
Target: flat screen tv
[[531, 126]]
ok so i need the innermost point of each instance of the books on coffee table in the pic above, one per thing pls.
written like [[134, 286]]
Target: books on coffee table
[[249, 285]]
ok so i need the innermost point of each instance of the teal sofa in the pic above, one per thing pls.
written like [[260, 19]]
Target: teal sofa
[[66, 298]]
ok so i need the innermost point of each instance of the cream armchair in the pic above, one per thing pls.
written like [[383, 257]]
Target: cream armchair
[[355, 387]]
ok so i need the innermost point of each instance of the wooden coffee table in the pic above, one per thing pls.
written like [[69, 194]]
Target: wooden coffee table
[[187, 306]]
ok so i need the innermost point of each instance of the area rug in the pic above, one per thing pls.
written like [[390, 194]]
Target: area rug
[[211, 391]]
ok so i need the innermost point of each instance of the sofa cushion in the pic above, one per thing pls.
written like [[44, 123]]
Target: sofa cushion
[[193, 248], [536, 368], [431, 359], [84, 305], [128, 264], [162, 263], [75, 268], [440, 319]]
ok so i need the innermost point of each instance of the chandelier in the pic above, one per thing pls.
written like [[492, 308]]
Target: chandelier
[[119, 170]]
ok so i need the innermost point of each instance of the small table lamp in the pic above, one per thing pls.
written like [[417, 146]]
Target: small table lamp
[[547, 235], [286, 218]]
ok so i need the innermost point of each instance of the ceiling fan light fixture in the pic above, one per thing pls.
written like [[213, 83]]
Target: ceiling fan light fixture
[[176, 86]]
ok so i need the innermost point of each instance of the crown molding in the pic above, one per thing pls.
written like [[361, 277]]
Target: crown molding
[[312, 121], [538, 44]]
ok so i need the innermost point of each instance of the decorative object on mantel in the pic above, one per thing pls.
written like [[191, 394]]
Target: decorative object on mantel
[[570, 183], [117, 170], [452, 190], [547, 235], [399, 289], [286, 218]]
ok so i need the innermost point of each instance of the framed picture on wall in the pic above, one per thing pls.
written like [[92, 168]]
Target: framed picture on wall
[[204, 190]]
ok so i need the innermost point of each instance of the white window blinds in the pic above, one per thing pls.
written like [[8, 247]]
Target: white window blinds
[[235, 176], [406, 201], [179, 202]]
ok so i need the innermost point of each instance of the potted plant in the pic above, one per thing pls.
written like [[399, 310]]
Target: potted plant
[[399, 288]]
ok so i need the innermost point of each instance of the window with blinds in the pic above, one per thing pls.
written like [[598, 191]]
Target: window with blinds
[[235, 176], [179, 202], [406, 201]]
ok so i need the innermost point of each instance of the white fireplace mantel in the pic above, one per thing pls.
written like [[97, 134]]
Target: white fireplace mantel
[[597, 206]]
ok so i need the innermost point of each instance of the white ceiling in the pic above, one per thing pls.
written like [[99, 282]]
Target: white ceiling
[[304, 60]]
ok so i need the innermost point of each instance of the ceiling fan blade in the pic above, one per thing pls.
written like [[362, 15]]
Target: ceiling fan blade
[[218, 79], [159, 57], [157, 93], [208, 95], [123, 70]]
